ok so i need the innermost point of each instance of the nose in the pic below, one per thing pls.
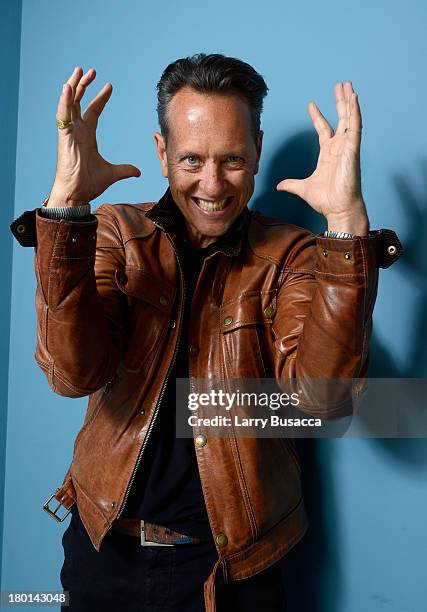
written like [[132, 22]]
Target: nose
[[212, 180]]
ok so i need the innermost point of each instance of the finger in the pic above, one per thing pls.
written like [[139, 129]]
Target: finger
[[295, 186], [95, 108], [355, 123], [342, 110], [63, 111], [73, 82], [348, 90], [124, 171], [322, 126], [75, 77], [83, 83]]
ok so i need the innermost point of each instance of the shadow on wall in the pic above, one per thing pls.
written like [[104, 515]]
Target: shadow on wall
[[410, 452], [313, 572], [414, 208], [297, 158]]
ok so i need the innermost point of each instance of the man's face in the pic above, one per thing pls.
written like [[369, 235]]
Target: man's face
[[210, 160]]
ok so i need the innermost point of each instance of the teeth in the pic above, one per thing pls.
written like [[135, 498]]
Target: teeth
[[211, 206]]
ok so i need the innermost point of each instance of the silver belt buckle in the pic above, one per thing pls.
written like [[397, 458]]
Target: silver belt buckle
[[53, 513], [144, 542]]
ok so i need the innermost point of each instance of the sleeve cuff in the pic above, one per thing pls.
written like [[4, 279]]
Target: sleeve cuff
[[24, 227], [380, 248], [66, 212]]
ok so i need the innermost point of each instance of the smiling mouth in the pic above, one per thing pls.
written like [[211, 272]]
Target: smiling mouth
[[212, 205]]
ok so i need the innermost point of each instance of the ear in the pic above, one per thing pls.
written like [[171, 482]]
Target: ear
[[259, 149], [161, 153]]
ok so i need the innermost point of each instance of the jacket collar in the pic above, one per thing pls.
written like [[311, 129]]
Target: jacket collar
[[167, 216]]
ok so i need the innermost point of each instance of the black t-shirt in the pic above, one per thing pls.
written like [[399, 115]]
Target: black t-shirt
[[167, 490]]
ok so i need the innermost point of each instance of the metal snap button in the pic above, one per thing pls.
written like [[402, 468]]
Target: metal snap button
[[392, 250], [163, 300], [221, 539], [193, 349], [268, 311], [228, 320], [325, 252], [347, 255], [201, 440], [73, 239], [21, 228]]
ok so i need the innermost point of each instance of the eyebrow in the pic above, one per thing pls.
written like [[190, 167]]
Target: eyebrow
[[189, 153]]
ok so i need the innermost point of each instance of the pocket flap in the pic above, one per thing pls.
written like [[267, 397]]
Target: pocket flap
[[250, 308], [141, 285]]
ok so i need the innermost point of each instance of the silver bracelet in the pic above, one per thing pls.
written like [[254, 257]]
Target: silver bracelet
[[333, 234], [65, 212]]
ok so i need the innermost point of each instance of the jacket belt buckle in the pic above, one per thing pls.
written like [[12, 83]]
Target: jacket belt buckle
[[145, 542], [53, 513]]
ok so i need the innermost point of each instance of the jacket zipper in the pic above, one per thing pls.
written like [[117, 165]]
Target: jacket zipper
[[156, 410]]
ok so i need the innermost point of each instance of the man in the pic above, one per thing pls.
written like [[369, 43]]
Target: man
[[195, 286]]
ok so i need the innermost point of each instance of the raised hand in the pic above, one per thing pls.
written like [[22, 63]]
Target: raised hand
[[334, 188], [82, 173]]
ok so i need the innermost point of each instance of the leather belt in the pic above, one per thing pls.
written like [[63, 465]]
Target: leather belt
[[151, 534]]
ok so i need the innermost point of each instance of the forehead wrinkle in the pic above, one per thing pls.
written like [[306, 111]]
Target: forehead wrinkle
[[206, 140], [204, 131], [210, 149]]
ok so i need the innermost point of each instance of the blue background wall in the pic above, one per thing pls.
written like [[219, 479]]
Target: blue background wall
[[10, 35], [367, 499]]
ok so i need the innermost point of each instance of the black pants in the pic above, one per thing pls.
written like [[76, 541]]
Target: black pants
[[126, 577]]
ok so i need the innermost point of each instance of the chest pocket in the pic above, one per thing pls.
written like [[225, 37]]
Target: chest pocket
[[150, 304], [246, 327]]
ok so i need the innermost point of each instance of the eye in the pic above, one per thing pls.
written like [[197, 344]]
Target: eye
[[192, 160], [234, 159]]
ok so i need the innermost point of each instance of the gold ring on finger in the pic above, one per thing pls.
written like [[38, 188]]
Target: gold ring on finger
[[63, 124]]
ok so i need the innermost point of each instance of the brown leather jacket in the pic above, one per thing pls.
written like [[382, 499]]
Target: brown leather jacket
[[109, 306]]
